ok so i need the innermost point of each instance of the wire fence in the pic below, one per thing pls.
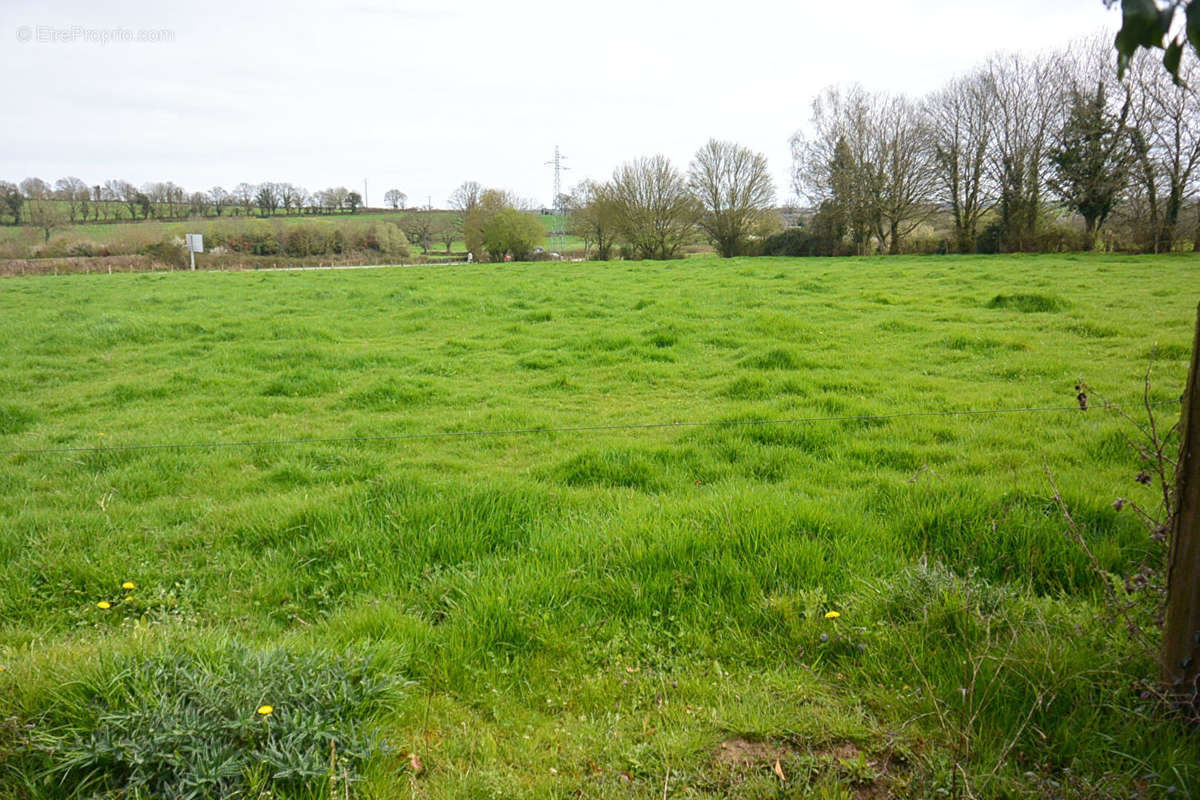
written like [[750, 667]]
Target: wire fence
[[399, 437]]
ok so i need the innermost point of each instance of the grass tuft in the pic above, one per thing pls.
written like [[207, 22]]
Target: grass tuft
[[1028, 303]]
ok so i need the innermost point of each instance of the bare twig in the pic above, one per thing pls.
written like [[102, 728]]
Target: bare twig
[[1109, 592]]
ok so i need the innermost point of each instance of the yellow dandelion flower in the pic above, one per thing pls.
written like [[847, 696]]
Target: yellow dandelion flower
[[265, 710], [128, 585], [832, 615], [104, 604], [128, 599]]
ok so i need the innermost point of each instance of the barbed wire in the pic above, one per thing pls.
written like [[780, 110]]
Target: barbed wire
[[398, 437]]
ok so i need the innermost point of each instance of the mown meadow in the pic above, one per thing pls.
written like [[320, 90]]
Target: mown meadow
[[481, 565]]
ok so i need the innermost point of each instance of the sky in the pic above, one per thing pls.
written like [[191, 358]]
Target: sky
[[421, 96]]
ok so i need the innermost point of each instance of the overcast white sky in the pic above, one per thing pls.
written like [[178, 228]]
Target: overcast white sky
[[422, 96]]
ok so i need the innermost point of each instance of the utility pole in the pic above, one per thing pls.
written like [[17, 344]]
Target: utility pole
[[1180, 657], [366, 202], [559, 234]]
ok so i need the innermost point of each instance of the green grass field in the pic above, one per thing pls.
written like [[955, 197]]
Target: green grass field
[[616, 611]]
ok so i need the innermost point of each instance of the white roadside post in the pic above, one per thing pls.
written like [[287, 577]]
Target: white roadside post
[[195, 244]]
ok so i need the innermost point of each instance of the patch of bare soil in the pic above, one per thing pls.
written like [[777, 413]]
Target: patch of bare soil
[[867, 777]]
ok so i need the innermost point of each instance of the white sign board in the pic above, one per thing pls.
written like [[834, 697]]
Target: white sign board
[[195, 242]]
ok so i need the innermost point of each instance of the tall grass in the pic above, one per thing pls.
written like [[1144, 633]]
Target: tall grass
[[587, 612]]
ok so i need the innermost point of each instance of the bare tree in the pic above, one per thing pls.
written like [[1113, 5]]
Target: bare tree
[[870, 164], [419, 226], [176, 198], [220, 198], [243, 197], [1165, 133], [300, 197], [340, 196], [734, 188], [594, 217], [395, 198], [35, 189], [655, 212], [267, 199], [74, 193], [826, 166], [960, 119], [465, 198], [1026, 96], [198, 203], [446, 230], [119, 191], [156, 193], [46, 214], [904, 168]]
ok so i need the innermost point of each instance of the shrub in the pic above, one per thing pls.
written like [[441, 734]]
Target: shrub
[[304, 240], [337, 241], [988, 241], [386, 237], [512, 232], [169, 253], [260, 238], [1060, 239], [801, 242], [792, 242]]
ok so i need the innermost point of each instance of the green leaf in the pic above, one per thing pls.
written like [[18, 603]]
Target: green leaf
[[1193, 24], [1143, 24], [1171, 59]]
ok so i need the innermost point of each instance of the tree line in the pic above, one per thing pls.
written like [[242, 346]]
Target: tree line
[[70, 200], [650, 209], [1021, 153], [1007, 152]]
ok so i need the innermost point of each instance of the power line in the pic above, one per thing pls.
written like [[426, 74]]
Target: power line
[[565, 429]]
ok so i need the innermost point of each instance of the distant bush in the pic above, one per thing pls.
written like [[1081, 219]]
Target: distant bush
[[386, 237], [792, 242], [1060, 239], [260, 236], [800, 242], [169, 253], [989, 240], [928, 246], [304, 240]]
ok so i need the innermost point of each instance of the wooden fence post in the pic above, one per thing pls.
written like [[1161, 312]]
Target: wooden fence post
[[1180, 664]]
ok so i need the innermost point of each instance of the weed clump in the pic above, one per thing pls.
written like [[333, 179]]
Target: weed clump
[[773, 359], [207, 726]]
